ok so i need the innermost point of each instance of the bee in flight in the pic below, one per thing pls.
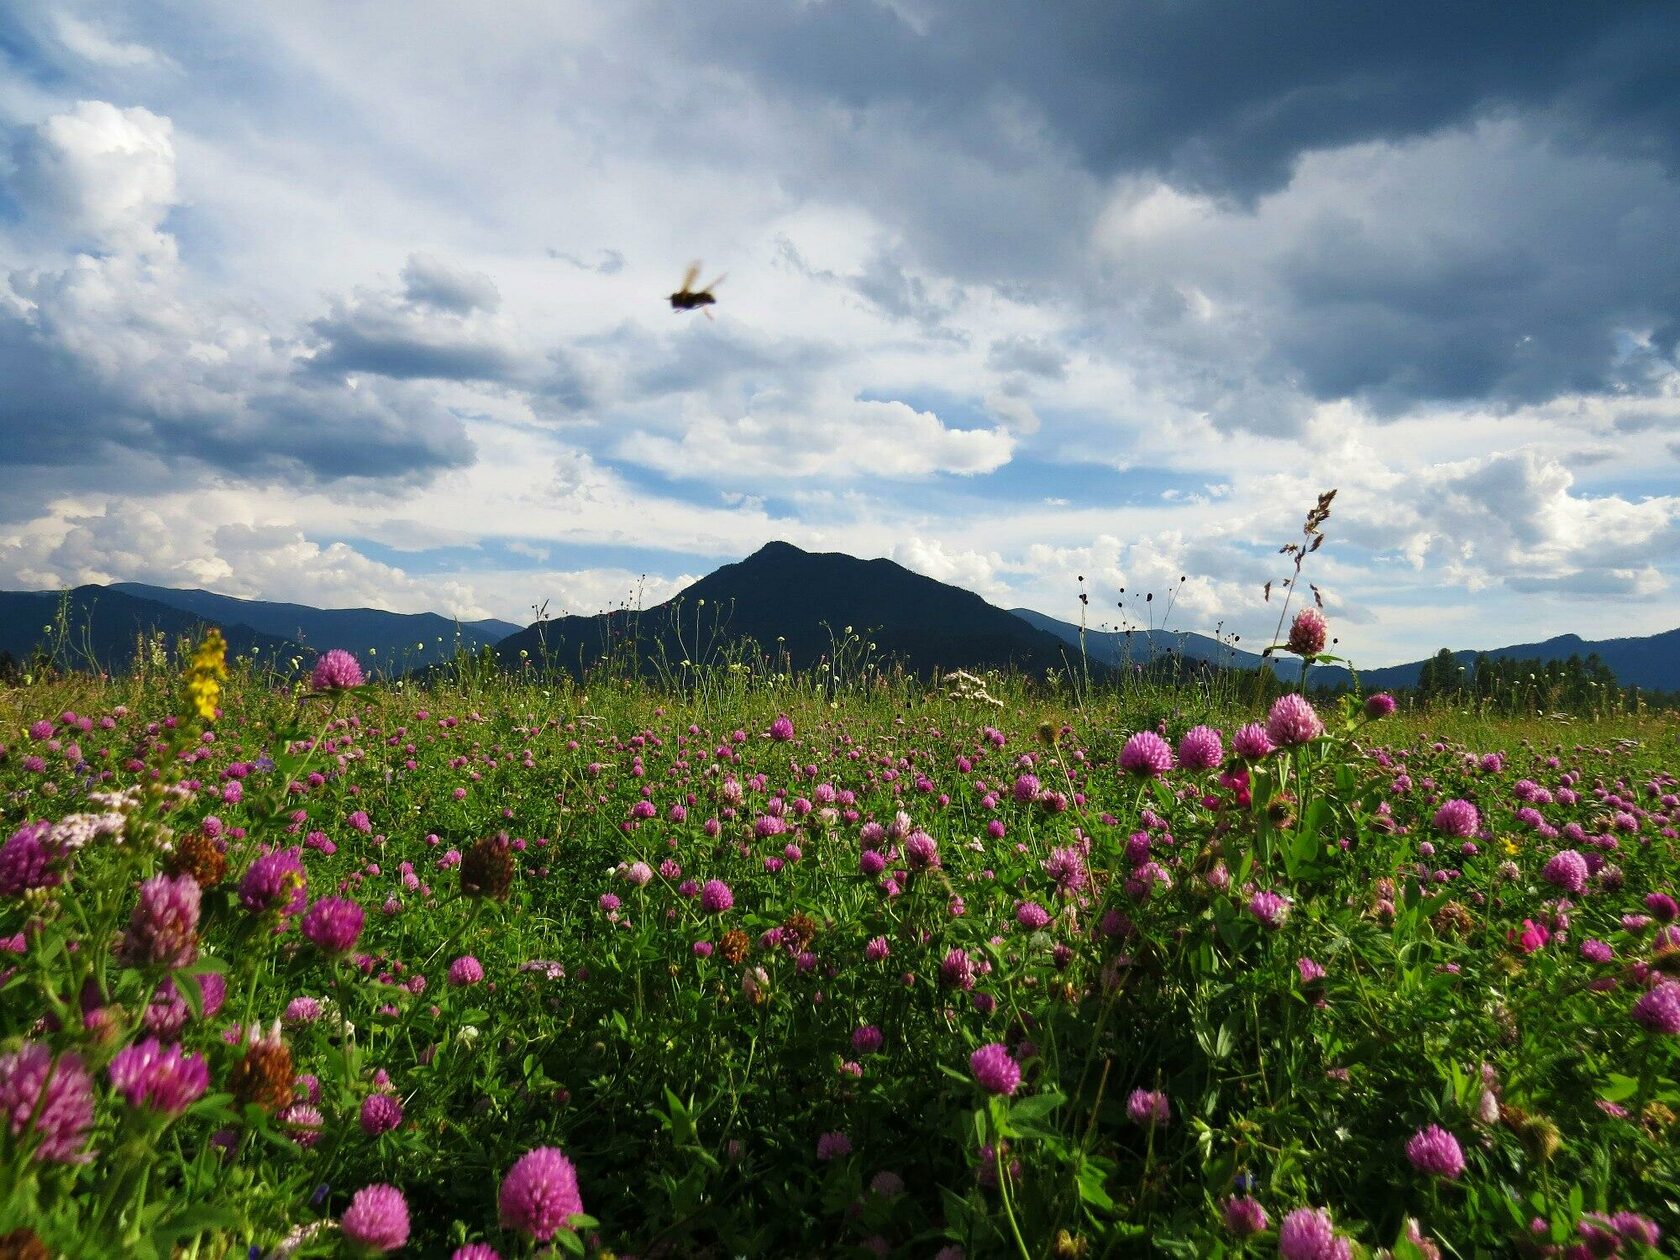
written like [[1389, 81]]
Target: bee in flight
[[688, 298]]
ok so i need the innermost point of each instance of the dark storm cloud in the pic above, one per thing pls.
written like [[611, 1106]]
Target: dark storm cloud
[[1215, 95]]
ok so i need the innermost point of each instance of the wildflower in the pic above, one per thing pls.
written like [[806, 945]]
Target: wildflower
[[921, 851], [957, 970], [163, 931], [1149, 1108], [263, 1075], [1663, 908], [539, 1195], [1292, 720], [1031, 915], [877, 949], [380, 1114], [1566, 870], [1310, 1234], [333, 924], [1458, 818], [1251, 742], [27, 860], [1658, 1009], [1146, 755], [465, 970], [867, 1039], [159, 1078], [377, 1218], [195, 854], [781, 730], [1434, 1151], [716, 897], [834, 1145], [487, 867], [275, 882], [1270, 908], [475, 1251], [1310, 972], [1379, 705], [50, 1098], [1200, 748], [637, 874], [1067, 867], [205, 674], [337, 670], [1308, 633], [735, 945], [1244, 1216], [995, 1069]]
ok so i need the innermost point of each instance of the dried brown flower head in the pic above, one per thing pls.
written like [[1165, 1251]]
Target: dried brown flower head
[[263, 1075], [487, 868], [735, 945], [196, 854]]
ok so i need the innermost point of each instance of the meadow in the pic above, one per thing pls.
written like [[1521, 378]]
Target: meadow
[[768, 966]]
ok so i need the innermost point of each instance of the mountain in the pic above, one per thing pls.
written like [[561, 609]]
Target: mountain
[[1119, 648], [104, 626], [403, 640], [780, 597], [1651, 662]]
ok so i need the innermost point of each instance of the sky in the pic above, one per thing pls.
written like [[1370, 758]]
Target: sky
[[365, 304]]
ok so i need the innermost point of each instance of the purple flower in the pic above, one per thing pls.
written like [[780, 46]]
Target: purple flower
[[53, 1099], [335, 670], [957, 970], [921, 851], [1270, 908], [834, 1145], [1308, 633], [1292, 720], [1457, 818], [1658, 1009], [380, 1114], [1379, 705], [1662, 907], [1566, 870], [159, 1078], [1251, 742], [377, 1218], [1310, 1234], [1149, 1108], [1244, 1216], [781, 730], [26, 860], [1031, 915], [163, 931], [475, 1251], [275, 881], [1311, 972], [1200, 748], [867, 1039], [539, 1195], [715, 897], [1067, 867], [995, 1069], [1146, 755], [465, 970], [1434, 1151], [333, 924]]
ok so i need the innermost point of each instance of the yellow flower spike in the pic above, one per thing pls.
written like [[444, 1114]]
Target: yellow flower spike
[[205, 674]]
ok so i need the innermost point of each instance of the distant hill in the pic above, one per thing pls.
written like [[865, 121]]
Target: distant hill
[[404, 640], [780, 596], [1651, 662], [105, 624]]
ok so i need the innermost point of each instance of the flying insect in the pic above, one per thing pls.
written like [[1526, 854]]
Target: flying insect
[[688, 298]]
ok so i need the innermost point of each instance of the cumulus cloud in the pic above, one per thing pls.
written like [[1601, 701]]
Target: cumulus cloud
[[102, 174]]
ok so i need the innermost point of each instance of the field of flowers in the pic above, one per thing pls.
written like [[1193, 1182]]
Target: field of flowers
[[481, 971]]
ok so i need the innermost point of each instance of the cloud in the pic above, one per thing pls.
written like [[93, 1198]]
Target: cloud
[[105, 176], [834, 437], [427, 281], [1220, 99]]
